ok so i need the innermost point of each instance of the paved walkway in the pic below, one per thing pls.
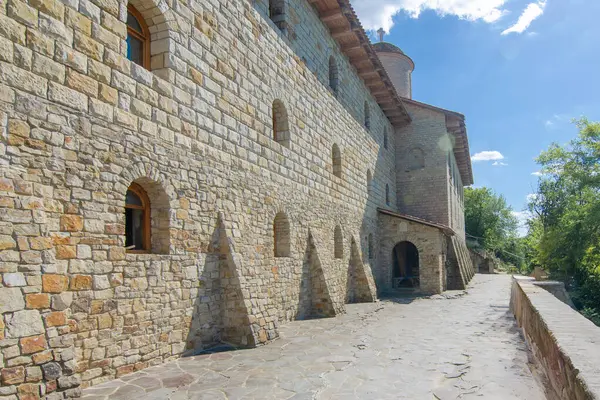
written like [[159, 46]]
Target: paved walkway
[[447, 347]]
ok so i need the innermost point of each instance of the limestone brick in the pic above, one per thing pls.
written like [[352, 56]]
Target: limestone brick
[[37, 300], [54, 283], [51, 7], [23, 13], [24, 323], [33, 344], [12, 300]]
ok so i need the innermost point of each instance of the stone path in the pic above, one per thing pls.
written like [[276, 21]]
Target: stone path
[[447, 347]]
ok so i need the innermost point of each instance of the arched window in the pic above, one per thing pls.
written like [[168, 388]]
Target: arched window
[[370, 246], [281, 126], [277, 13], [138, 38], [367, 116], [369, 181], [137, 219], [333, 76], [281, 232], [387, 194], [385, 138], [338, 243], [336, 158]]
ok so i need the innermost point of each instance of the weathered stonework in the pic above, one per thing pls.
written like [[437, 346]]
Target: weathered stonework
[[79, 123]]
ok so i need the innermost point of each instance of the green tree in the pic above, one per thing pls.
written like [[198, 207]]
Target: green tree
[[490, 221], [564, 236]]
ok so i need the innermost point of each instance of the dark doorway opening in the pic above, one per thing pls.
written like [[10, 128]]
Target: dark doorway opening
[[405, 273]]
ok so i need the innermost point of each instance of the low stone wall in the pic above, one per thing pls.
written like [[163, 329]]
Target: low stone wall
[[565, 343]]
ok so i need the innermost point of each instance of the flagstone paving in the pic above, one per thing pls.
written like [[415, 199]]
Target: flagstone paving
[[458, 345]]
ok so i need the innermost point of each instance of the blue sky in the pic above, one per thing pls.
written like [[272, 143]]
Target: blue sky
[[518, 90]]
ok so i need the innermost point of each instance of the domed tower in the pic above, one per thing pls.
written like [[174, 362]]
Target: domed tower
[[398, 66]]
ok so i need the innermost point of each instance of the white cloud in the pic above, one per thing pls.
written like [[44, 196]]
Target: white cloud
[[556, 120], [537, 173], [532, 197], [487, 156], [530, 14], [375, 14], [499, 164]]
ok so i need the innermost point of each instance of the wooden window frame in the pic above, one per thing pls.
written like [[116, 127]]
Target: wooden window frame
[[141, 193], [144, 37]]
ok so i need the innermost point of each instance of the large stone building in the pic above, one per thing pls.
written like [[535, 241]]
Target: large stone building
[[175, 174]]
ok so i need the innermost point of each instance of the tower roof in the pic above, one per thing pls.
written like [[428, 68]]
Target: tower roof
[[385, 47]]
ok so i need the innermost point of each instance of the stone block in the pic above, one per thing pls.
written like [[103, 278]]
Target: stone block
[[54, 283], [81, 282], [88, 46], [24, 323], [15, 279], [7, 242], [57, 318], [52, 371], [12, 30], [33, 344], [66, 252], [33, 374], [12, 300], [13, 376], [24, 80], [37, 300], [23, 13], [71, 223], [82, 83], [62, 301], [29, 391], [67, 97], [42, 358], [51, 7]]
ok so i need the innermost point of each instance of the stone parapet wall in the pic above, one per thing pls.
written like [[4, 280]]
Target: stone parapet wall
[[566, 344]]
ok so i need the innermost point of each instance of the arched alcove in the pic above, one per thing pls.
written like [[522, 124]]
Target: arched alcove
[[277, 13], [387, 194], [405, 269], [336, 160], [281, 235], [385, 138], [281, 125], [338, 243], [333, 76]]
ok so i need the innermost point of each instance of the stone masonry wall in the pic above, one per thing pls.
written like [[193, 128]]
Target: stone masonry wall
[[421, 153], [79, 123], [564, 343]]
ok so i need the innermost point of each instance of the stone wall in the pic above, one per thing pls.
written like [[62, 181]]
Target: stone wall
[[79, 123], [422, 167], [565, 343]]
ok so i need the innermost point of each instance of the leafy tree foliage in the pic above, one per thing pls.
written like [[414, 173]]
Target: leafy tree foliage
[[564, 235], [490, 221]]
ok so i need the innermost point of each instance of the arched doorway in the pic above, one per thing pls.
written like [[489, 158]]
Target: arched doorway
[[405, 273]]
